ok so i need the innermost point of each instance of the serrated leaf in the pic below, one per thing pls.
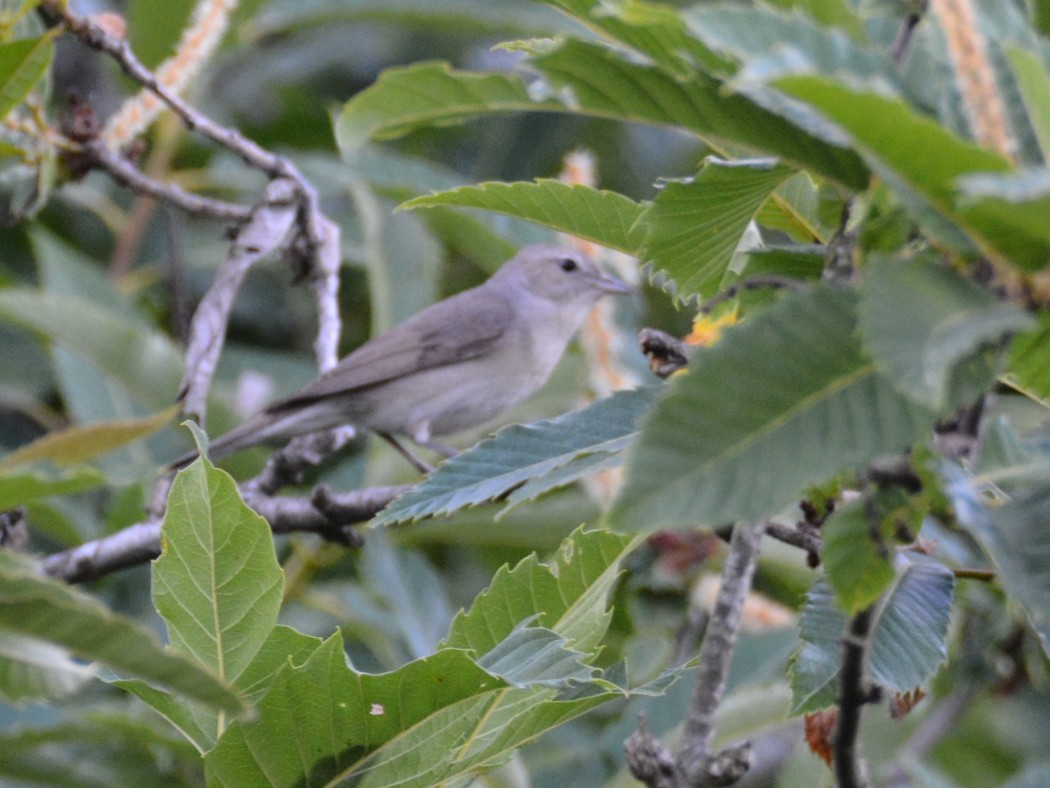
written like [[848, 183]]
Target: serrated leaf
[[923, 163], [604, 83], [567, 595], [32, 605], [519, 453], [23, 64], [536, 656], [920, 320], [693, 227], [857, 570], [1028, 363], [654, 31], [780, 403], [906, 645], [438, 720], [1017, 540], [590, 80], [75, 445], [605, 217]]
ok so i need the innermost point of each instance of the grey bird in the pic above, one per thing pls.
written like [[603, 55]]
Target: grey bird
[[457, 364]]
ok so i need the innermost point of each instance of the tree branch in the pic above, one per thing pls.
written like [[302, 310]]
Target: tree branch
[[850, 771], [327, 514]]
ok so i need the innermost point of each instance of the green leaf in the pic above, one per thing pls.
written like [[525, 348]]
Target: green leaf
[[442, 719], [604, 83], [693, 227], [148, 364], [794, 208], [1017, 540], [605, 217], [519, 453], [33, 669], [802, 262], [922, 162], [652, 30], [75, 445], [403, 99], [1019, 202], [859, 569], [22, 485], [217, 584], [920, 320], [1034, 84], [1028, 364], [567, 595], [780, 403], [23, 64], [32, 605], [907, 641], [600, 83]]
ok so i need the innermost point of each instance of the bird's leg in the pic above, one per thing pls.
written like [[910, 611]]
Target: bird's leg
[[415, 462]]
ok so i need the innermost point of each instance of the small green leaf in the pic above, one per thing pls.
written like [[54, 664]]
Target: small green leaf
[[23, 64], [693, 227], [920, 320], [605, 217], [22, 485], [856, 557]]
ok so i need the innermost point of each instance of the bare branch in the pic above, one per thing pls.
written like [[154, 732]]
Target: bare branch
[[327, 514], [270, 224], [696, 762], [96, 155]]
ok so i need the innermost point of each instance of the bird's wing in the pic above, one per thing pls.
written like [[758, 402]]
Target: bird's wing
[[424, 341]]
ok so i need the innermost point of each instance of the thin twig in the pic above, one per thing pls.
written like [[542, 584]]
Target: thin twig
[[900, 45], [96, 155]]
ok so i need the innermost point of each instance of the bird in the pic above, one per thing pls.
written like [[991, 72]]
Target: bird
[[457, 364]]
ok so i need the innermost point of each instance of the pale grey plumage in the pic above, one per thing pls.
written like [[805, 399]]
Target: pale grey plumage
[[456, 364]]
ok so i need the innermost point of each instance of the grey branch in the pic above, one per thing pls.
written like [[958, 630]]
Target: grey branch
[[270, 223], [850, 771], [696, 764], [96, 155], [325, 513]]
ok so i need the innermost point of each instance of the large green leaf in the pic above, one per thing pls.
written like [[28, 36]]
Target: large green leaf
[[923, 163], [218, 587], [920, 320], [693, 227], [600, 82], [1019, 202], [23, 63], [34, 606], [21, 485], [782, 402], [217, 584], [441, 719], [906, 645], [519, 453], [604, 217]]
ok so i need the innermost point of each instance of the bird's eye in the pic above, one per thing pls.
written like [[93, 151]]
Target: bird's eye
[[567, 264]]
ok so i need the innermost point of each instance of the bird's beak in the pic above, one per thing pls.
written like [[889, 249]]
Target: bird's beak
[[612, 285]]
